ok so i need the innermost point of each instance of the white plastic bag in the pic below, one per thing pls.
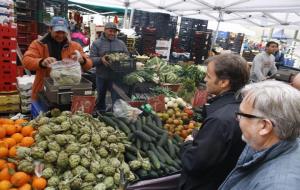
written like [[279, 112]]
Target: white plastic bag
[[123, 109], [66, 72]]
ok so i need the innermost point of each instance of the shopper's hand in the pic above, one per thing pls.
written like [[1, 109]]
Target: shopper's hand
[[189, 138], [76, 56], [48, 61], [104, 60]]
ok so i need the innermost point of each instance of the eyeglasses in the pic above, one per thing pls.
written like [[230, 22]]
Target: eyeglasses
[[250, 116]]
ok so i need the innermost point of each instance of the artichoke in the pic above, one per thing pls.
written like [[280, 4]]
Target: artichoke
[[56, 128], [53, 181], [96, 140], [131, 177], [103, 152], [104, 144], [64, 186], [85, 130], [42, 121], [100, 186], [61, 119], [103, 134], [51, 156], [112, 139], [72, 148], [50, 188], [43, 145], [47, 173], [95, 167], [80, 170], [75, 129], [74, 160], [71, 138], [113, 147], [55, 112], [25, 166], [86, 186], [61, 139], [125, 167], [117, 178], [108, 170], [84, 138], [110, 129], [135, 164], [114, 162], [65, 126], [23, 152], [121, 148], [103, 163], [67, 175], [45, 130], [90, 177], [62, 160], [66, 113], [109, 182], [85, 162], [54, 146], [146, 165], [76, 183], [37, 153], [38, 138]]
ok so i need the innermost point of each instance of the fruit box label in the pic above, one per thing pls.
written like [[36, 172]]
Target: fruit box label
[[157, 103], [85, 104]]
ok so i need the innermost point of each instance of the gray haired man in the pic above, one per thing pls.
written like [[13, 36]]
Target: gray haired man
[[270, 123]]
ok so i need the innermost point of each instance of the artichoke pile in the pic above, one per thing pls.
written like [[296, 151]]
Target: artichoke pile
[[78, 152]]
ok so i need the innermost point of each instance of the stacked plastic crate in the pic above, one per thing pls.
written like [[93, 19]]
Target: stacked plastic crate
[[25, 89], [9, 98]]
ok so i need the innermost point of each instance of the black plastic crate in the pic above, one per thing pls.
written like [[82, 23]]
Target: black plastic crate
[[26, 4], [25, 14], [123, 66]]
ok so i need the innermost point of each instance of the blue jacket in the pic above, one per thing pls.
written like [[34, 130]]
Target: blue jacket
[[209, 158], [103, 46], [276, 168]]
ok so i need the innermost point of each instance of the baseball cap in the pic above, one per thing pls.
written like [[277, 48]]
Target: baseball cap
[[111, 25], [59, 24]]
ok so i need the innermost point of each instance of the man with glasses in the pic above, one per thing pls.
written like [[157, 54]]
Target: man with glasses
[[270, 123], [209, 156], [105, 77]]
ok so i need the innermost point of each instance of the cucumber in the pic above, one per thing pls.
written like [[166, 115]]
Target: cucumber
[[125, 120], [153, 174], [109, 121], [109, 114], [157, 130], [154, 159], [142, 173], [176, 165], [149, 131], [163, 139], [178, 139], [148, 120], [132, 149], [158, 121], [122, 126], [143, 120], [132, 127], [129, 156], [138, 144], [171, 148], [145, 146], [165, 155], [172, 169], [143, 136], [138, 124], [158, 155]]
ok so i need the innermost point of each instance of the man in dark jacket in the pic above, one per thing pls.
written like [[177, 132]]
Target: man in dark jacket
[[209, 156], [107, 43]]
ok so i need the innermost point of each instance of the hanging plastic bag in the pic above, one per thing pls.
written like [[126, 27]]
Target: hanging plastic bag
[[123, 109], [66, 72]]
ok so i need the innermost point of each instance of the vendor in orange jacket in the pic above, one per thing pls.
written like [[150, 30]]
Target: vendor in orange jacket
[[52, 47]]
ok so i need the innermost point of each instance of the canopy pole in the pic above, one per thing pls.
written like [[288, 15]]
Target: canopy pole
[[217, 30], [126, 3], [131, 18]]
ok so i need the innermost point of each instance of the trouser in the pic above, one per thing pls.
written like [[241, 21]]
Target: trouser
[[104, 85]]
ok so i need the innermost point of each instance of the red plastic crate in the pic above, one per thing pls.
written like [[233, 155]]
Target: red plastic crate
[[8, 56], [26, 39], [8, 31], [8, 73], [8, 87], [20, 71], [27, 27], [10, 44]]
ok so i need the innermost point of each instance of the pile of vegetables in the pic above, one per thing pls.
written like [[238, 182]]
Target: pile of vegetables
[[149, 142], [15, 135], [117, 57], [76, 151]]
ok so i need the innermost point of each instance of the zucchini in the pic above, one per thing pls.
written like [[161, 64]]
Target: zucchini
[[149, 131], [158, 155], [154, 159], [163, 139], [165, 155], [143, 136], [171, 148]]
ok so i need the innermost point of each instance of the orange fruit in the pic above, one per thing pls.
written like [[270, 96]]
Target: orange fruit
[[25, 187], [3, 152], [7, 121], [18, 137], [20, 121], [13, 189], [19, 179], [2, 164], [27, 141], [5, 185], [12, 152], [27, 130], [10, 141], [39, 183], [2, 132], [10, 129], [4, 174], [19, 128], [32, 134], [11, 166]]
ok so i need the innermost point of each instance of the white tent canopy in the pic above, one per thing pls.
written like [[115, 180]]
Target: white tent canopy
[[262, 13]]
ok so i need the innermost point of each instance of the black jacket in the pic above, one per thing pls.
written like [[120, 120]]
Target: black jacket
[[208, 159]]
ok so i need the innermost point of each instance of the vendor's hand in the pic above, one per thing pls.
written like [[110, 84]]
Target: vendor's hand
[[189, 138], [76, 56], [48, 61], [104, 60]]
